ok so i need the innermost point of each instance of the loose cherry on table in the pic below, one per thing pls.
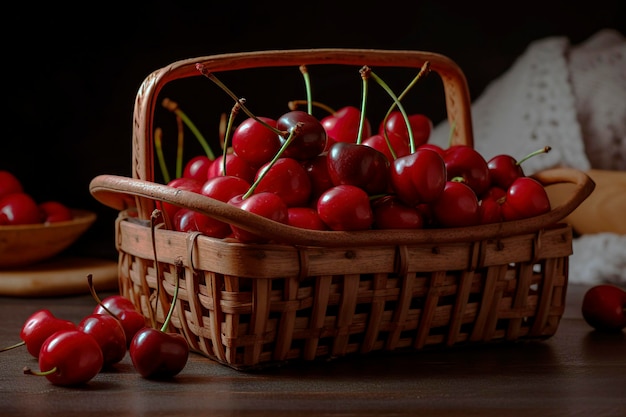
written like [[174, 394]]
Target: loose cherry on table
[[156, 353], [69, 357], [125, 311], [37, 328], [109, 333], [604, 308]]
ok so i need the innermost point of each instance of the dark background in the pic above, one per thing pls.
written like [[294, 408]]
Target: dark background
[[71, 74]]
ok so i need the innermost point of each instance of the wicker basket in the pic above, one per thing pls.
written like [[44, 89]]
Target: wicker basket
[[326, 294]]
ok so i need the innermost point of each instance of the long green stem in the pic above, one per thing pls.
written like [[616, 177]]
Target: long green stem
[[307, 84], [173, 107], [366, 72], [229, 128], [180, 147], [158, 144], [180, 272]]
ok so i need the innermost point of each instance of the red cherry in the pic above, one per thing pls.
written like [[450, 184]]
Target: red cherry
[[109, 333], [525, 198], [187, 220], [305, 218], [158, 354], [254, 142], [433, 147], [399, 144], [419, 177], [465, 162], [266, 204], [421, 127], [287, 178], [69, 357], [604, 308], [345, 207], [457, 206], [182, 183], [9, 184], [309, 138], [358, 165], [39, 326], [18, 209], [125, 311], [504, 169], [317, 170], [235, 166], [197, 167], [343, 125], [391, 213], [54, 211]]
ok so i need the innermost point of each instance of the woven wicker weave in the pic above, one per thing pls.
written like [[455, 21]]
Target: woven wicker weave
[[325, 294]]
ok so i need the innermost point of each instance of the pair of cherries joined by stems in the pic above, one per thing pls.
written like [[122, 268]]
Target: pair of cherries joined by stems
[[72, 354]]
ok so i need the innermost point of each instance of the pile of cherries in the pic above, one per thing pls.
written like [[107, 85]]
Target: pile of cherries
[[71, 354], [336, 173], [18, 207]]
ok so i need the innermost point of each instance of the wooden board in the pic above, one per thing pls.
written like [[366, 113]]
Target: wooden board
[[59, 276]]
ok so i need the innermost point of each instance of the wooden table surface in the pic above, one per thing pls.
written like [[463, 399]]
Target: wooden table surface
[[577, 372]]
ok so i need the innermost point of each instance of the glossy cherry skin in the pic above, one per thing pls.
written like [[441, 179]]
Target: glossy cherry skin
[[305, 218], [604, 308], [182, 183], [18, 209], [265, 204], [525, 198], [224, 187], [310, 139], [254, 142], [391, 213], [358, 165], [399, 144], [465, 162], [54, 211], [287, 178], [156, 354], [419, 177], [343, 125], [421, 127], [345, 207], [317, 170], [131, 319], [457, 206], [235, 165], [76, 356], [197, 167], [9, 184], [109, 333], [39, 326], [503, 170], [187, 220]]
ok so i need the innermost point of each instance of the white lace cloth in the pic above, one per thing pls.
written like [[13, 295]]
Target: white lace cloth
[[572, 98]]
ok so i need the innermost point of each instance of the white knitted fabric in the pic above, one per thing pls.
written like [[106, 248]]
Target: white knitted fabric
[[573, 99]]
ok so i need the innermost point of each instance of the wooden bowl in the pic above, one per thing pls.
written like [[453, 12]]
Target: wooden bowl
[[31, 243]]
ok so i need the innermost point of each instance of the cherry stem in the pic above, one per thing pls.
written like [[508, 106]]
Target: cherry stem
[[293, 105], [179, 147], [400, 107], [158, 135], [95, 296], [545, 149], [292, 134], [229, 128], [366, 72], [200, 67], [307, 84], [22, 343], [156, 213], [173, 107], [180, 272], [29, 371]]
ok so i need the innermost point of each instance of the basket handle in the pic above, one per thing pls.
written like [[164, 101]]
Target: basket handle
[[119, 192], [458, 105]]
